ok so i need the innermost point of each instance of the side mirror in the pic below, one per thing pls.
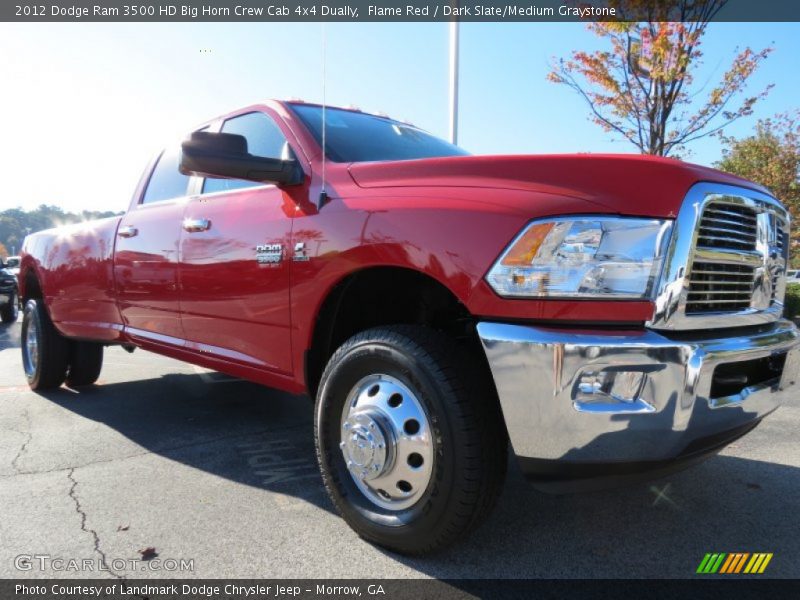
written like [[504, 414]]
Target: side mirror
[[225, 155]]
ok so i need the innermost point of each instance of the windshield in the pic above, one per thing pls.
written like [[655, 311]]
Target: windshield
[[360, 137], [12, 262]]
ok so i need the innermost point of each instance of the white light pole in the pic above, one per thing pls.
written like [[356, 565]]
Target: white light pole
[[454, 81]]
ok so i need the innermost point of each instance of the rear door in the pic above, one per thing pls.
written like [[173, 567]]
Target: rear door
[[235, 260], [146, 254]]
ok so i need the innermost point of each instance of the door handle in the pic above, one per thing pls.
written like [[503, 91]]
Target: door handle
[[127, 232], [195, 225]]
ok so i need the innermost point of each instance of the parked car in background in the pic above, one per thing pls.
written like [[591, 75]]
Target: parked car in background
[[12, 265], [613, 316], [793, 276], [9, 295]]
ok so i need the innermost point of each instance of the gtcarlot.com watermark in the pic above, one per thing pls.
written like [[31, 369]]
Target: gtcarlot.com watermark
[[47, 562]]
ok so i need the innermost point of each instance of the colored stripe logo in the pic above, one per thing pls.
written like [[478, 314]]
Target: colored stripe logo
[[734, 562]]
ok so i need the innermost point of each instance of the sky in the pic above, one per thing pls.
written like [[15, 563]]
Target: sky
[[85, 106]]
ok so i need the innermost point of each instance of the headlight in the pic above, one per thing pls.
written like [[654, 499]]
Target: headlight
[[583, 257]]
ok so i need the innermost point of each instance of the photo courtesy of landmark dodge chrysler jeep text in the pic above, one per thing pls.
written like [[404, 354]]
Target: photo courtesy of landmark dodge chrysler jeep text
[[612, 317]]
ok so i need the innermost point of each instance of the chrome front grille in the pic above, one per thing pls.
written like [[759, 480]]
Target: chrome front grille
[[728, 226], [726, 264], [717, 287]]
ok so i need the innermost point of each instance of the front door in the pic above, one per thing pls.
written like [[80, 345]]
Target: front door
[[235, 261]]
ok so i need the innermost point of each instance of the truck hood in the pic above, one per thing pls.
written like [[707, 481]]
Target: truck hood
[[621, 183]]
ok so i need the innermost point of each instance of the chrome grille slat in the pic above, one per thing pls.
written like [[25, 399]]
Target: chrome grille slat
[[730, 211], [743, 281], [741, 222], [723, 239], [726, 256], [723, 221], [715, 301], [729, 274], [720, 293], [737, 233]]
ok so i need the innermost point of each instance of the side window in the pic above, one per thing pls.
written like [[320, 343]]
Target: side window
[[166, 181], [264, 138]]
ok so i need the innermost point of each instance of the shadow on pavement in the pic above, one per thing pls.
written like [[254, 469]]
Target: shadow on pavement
[[661, 529], [726, 504], [263, 438], [230, 428]]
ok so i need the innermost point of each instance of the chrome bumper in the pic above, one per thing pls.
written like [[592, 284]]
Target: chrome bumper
[[555, 411]]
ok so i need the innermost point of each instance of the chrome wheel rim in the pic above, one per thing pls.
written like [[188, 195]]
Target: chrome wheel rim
[[31, 346], [386, 442]]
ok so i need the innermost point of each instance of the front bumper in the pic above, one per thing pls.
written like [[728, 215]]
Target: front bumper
[[677, 401]]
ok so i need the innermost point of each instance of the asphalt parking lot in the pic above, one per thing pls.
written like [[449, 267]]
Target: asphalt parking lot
[[163, 458]]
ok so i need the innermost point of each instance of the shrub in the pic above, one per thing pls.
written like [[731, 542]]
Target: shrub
[[792, 303]]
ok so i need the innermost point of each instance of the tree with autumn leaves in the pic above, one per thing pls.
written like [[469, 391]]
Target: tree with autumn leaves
[[771, 157], [643, 86]]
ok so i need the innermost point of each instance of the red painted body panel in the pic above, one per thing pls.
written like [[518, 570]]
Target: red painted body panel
[[203, 298], [75, 270], [146, 269], [231, 305], [625, 184]]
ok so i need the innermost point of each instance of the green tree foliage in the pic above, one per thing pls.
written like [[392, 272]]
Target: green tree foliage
[[771, 157], [16, 223], [792, 303]]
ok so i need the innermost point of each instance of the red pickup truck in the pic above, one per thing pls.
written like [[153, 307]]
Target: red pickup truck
[[612, 317]]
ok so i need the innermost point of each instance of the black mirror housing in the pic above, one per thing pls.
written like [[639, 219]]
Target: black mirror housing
[[225, 155]]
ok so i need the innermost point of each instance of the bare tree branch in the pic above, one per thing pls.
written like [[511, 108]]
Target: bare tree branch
[[641, 87]]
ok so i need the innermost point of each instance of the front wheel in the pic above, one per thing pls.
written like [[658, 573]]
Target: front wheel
[[410, 439], [45, 352]]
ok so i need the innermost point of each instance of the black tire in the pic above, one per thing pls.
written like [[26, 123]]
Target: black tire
[[85, 363], [469, 437], [49, 368], [10, 311]]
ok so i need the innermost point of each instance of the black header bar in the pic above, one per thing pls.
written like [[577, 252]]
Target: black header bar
[[699, 588], [120, 11]]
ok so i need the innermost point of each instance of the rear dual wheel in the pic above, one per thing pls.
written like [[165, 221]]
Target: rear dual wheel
[[409, 438], [85, 363], [49, 359]]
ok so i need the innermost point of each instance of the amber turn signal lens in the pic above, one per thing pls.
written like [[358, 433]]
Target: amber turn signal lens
[[527, 246]]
